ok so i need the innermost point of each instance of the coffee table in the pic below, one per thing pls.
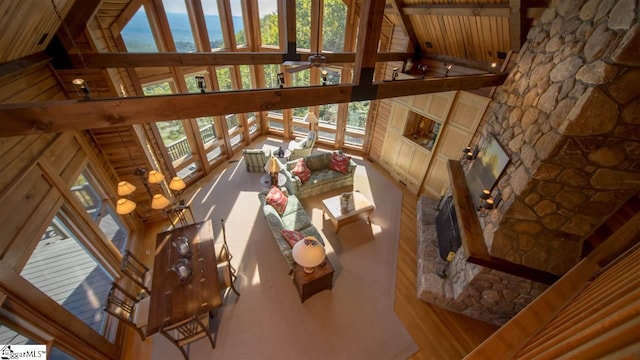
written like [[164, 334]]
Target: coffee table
[[359, 204]]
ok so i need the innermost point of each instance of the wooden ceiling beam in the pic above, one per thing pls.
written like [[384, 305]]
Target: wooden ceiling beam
[[56, 116], [369, 27], [501, 10], [515, 25], [79, 15], [406, 25], [472, 64], [120, 60]]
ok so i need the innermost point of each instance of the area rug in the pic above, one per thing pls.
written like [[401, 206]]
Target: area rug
[[354, 320]]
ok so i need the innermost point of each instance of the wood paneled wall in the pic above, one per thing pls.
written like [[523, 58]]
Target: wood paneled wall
[[28, 26], [34, 81], [35, 182]]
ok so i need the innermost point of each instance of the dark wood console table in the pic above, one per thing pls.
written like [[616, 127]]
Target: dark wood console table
[[475, 249]]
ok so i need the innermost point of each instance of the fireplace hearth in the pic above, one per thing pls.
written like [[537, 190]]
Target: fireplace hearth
[[447, 229]]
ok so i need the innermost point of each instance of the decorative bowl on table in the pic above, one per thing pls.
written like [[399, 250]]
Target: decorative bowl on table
[[183, 268]]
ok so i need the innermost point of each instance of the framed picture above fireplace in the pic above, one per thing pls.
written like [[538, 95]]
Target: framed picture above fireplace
[[486, 168]]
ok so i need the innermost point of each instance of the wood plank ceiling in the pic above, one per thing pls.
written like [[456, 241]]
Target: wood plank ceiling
[[466, 32], [475, 30]]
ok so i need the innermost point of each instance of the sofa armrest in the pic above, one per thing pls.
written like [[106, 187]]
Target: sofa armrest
[[352, 166], [293, 182]]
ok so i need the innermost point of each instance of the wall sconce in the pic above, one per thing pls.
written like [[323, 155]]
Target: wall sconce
[[281, 80], [494, 67], [423, 69], [324, 74], [202, 85], [447, 68], [81, 86], [394, 74]]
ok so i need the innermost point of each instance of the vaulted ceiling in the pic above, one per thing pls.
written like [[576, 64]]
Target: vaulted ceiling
[[469, 33], [474, 30]]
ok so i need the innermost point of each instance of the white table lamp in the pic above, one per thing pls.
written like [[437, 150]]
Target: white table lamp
[[308, 253]]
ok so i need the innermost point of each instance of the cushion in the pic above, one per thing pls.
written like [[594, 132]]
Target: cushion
[[292, 236], [301, 170], [277, 199], [310, 138], [339, 162]]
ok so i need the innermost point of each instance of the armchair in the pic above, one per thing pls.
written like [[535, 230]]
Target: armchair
[[303, 147], [255, 159]]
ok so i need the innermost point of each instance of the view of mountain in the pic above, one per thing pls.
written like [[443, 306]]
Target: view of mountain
[[138, 38]]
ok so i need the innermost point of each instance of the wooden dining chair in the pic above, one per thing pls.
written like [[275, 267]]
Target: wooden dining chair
[[137, 271], [185, 332], [227, 278], [226, 271], [129, 309]]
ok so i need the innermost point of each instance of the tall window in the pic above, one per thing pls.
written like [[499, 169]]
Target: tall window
[[179, 24], [224, 78], [245, 77], [303, 24], [137, 35], [63, 269], [212, 20], [301, 78], [271, 75], [8, 336], [334, 21], [269, 31], [238, 24], [357, 113], [327, 122], [94, 201]]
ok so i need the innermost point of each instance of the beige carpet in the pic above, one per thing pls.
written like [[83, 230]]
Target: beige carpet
[[354, 320]]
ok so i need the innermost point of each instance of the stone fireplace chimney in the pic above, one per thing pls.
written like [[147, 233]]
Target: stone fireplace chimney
[[569, 117]]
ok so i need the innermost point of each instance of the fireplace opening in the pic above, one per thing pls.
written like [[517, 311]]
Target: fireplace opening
[[447, 230]]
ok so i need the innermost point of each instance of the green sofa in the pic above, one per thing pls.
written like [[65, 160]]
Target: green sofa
[[322, 178], [294, 217]]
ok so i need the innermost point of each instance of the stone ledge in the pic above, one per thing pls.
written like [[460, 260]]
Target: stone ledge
[[476, 291]]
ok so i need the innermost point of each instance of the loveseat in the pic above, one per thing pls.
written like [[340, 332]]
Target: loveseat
[[322, 178], [294, 217]]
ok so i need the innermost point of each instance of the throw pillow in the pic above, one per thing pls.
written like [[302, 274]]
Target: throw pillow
[[292, 236], [301, 170], [277, 199], [339, 162]]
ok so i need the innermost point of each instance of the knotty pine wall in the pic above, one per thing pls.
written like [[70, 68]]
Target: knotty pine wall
[[35, 183], [393, 39]]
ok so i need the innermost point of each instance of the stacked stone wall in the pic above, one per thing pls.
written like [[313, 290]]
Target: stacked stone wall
[[568, 117], [473, 290]]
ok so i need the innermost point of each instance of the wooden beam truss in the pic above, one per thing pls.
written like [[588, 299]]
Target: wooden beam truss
[[56, 116]]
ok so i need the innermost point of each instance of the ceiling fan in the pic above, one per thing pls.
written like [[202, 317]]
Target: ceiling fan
[[314, 60]]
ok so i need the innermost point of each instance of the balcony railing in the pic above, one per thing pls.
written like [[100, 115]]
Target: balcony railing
[[180, 148], [207, 133]]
